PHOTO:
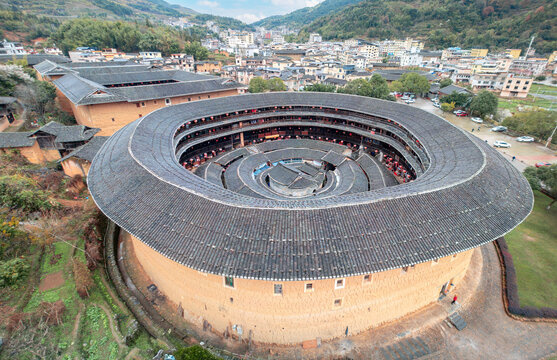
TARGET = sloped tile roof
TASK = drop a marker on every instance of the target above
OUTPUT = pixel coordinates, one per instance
(87, 151)
(13, 140)
(460, 202)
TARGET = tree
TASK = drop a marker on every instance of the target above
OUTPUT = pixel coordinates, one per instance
(414, 82)
(195, 352)
(397, 86)
(320, 88)
(276, 84)
(10, 77)
(198, 52)
(484, 103)
(459, 99)
(543, 178)
(37, 97)
(257, 85)
(360, 87)
(445, 82)
(375, 87)
(538, 123)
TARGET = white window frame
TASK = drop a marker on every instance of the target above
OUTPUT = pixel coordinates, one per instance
(341, 286)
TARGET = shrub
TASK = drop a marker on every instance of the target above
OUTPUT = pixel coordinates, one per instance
(540, 78)
(21, 192)
(195, 352)
(12, 271)
(447, 107)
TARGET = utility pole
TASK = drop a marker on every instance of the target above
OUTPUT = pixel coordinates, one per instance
(529, 47)
(551, 136)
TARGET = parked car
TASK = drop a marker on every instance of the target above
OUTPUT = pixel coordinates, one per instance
(542, 164)
(525, 139)
(410, 101)
(434, 99)
(405, 97)
(501, 144)
(499, 129)
(460, 113)
(436, 104)
(477, 120)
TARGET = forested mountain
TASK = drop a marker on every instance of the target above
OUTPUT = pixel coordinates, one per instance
(496, 24)
(114, 10)
(109, 9)
(298, 18)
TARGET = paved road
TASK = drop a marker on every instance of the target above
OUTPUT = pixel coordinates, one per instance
(527, 154)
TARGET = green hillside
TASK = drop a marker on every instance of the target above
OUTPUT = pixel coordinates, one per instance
(496, 24)
(109, 9)
(298, 18)
(130, 10)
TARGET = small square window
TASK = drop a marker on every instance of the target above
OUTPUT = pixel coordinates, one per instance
(339, 283)
(309, 287)
(208, 96)
(405, 269)
(338, 302)
(143, 103)
(137, 104)
(229, 281)
(189, 99)
(112, 119)
(155, 102)
(435, 261)
(167, 101)
(367, 279)
(199, 98)
(278, 289)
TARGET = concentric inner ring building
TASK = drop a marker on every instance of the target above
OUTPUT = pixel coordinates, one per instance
(294, 216)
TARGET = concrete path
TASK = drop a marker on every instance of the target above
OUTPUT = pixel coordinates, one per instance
(491, 334)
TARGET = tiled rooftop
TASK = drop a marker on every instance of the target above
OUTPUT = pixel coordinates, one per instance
(469, 195)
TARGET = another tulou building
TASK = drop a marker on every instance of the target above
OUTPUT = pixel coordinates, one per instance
(109, 95)
(296, 216)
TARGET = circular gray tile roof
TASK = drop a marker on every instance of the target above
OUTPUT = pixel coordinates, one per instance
(468, 195)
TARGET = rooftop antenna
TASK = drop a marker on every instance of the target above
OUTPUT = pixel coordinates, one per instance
(529, 46)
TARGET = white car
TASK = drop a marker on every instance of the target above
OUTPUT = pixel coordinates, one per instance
(437, 105)
(501, 144)
(525, 139)
(410, 101)
(477, 120)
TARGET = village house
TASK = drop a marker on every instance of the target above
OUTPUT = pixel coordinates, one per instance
(48, 143)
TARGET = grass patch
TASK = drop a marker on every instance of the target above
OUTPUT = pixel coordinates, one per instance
(66, 293)
(543, 89)
(533, 245)
(60, 256)
(524, 104)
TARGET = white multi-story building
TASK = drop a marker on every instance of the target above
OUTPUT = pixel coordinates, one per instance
(244, 38)
(411, 59)
(370, 51)
(315, 38)
(11, 48)
(277, 39)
